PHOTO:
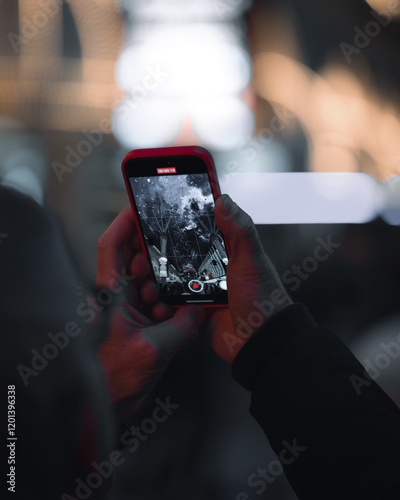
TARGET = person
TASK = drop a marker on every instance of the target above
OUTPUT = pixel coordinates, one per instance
(332, 441)
(336, 433)
(54, 395)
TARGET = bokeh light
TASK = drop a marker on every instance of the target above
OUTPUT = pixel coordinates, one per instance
(192, 57)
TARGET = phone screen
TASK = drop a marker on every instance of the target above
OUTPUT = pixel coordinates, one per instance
(174, 201)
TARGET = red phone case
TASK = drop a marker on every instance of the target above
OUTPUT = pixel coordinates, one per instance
(173, 151)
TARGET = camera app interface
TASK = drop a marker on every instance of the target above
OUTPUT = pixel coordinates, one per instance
(186, 248)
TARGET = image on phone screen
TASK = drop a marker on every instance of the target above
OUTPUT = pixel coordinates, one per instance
(186, 249)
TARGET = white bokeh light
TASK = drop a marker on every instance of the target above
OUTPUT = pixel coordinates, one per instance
(191, 61)
(223, 123)
(182, 10)
(184, 60)
(153, 122)
(307, 198)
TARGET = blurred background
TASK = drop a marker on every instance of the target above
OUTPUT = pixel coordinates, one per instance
(269, 87)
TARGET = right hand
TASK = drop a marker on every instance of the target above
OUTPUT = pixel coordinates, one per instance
(255, 291)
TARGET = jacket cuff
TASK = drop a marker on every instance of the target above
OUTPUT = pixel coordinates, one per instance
(267, 341)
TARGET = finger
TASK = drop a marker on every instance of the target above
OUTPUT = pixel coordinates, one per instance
(137, 272)
(248, 262)
(172, 336)
(150, 293)
(237, 226)
(161, 312)
(114, 247)
(139, 267)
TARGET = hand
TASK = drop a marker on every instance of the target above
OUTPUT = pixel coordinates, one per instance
(255, 291)
(139, 345)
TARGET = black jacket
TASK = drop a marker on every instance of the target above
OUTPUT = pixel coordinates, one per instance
(335, 430)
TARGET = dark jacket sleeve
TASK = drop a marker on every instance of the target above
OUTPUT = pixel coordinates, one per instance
(335, 431)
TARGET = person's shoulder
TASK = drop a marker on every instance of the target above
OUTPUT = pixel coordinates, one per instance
(15, 204)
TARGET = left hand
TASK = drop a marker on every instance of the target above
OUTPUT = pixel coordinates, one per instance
(141, 339)
(255, 290)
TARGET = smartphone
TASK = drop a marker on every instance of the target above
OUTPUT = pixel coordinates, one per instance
(173, 192)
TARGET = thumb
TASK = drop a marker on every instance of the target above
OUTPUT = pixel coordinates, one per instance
(171, 336)
(237, 226)
(248, 262)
